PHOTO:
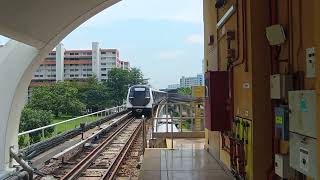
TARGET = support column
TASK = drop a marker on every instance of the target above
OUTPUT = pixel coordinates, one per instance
(17, 62)
(60, 62)
(96, 60)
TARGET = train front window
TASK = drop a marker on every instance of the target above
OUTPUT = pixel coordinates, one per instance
(139, 96)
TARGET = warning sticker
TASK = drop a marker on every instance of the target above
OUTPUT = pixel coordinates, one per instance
(304, 159)
(279, 120)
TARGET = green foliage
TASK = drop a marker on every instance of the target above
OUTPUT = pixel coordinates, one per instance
(93, 94)
(119, 81)
(136, 77)
(31, 119)
(60, 98)
(185, 91)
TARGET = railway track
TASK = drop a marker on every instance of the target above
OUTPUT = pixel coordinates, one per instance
(104, 160)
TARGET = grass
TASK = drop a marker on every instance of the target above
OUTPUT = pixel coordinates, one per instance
(61, 128)
(72, 124)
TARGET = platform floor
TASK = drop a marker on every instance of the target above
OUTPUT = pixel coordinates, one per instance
(188, 161)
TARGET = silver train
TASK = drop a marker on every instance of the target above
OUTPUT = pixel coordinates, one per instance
(141, 98)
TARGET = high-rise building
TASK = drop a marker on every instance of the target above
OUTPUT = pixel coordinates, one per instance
(64, 64)
(173, 86)
(191, 81)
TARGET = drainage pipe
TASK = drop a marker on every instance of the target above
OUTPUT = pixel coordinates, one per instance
(16, 156)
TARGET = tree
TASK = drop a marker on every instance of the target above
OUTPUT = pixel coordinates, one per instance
(185, 91)
(119, 81)
(135, 77)
(60, 98)
(93, 94)
(31, 119)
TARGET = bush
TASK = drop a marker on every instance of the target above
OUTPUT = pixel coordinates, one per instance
(31, 119)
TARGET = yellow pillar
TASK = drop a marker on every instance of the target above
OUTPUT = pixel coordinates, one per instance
(317, 43)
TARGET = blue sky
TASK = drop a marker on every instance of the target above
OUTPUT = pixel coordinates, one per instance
(164, 38)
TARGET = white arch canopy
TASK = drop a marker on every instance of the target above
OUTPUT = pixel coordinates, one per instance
(36, 27)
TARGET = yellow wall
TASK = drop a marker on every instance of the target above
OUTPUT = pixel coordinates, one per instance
(317, 43)
(253, 103)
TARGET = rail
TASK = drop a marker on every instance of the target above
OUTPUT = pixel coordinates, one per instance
(76, 171)
(66, 123)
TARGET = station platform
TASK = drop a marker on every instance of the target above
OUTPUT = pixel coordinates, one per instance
(188, 160)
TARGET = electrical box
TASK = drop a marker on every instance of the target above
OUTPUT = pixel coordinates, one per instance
(281, 165)
(282, 122)
(280, 84)
(275, 34)
(197, 91)
(216, 103)
(303, 154)
(302, 112)
(310, 62)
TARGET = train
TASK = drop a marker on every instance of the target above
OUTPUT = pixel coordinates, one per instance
(142, 98)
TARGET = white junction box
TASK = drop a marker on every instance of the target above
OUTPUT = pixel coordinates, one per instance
(281, 166)
(303, 154)
(310, 62)
(280, 84)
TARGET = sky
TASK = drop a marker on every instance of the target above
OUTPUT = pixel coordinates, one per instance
(164, 38)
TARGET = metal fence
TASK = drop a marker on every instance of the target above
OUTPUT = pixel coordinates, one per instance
(53, 130)
(178, 117)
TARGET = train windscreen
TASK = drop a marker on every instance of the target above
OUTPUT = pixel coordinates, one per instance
(139, 96)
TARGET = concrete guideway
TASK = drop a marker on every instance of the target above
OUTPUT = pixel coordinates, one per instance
(38, 26)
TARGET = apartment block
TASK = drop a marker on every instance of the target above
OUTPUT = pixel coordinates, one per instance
(65, 64)
(192, 81)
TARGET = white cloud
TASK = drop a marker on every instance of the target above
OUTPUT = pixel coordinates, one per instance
(170, 54)
(195, 39)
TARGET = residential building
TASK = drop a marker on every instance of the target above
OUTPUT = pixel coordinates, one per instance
(64, 64)
(173, 86)
(191, 81)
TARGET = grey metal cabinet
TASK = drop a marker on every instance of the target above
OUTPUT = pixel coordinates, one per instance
(302, 112)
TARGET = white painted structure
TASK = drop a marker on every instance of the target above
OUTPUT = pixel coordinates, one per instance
(38, 25)
(59, 62)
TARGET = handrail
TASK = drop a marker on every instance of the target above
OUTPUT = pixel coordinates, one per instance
(68, 120)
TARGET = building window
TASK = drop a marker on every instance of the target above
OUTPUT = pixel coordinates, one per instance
(84, 75)
(71, 69)
(103, 52)
(84, 69)
(89, 75)
(76, 70)
(103, 69)
(103, 64)
(104, 75)
(103, 58)
(77, 75)
(71, 75)
(89, 69)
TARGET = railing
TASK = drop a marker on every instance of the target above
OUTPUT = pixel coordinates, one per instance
(67, 125)
(178, 120)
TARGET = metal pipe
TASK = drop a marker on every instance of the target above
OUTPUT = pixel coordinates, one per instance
(21, 162)
(19, 175)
